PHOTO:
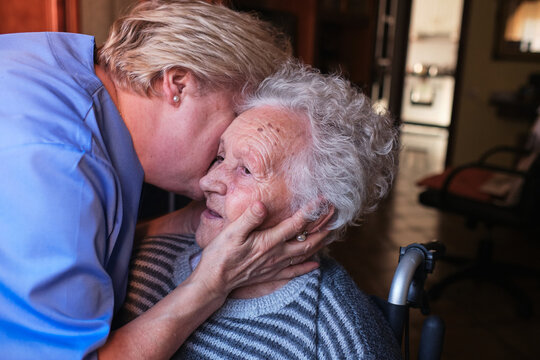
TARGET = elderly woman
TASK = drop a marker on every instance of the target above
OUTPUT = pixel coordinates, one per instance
(305, 140)
(80, 130)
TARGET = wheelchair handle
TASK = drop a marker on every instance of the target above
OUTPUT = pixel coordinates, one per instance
(403, 276)
(413, 258)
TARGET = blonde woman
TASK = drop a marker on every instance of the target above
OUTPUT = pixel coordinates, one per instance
(78, 135)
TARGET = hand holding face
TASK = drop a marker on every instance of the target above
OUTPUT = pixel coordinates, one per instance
(239, 257)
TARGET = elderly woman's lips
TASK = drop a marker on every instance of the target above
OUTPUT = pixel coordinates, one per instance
(211, 214)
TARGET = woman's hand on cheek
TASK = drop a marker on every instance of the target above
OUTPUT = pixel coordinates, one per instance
(239, 256)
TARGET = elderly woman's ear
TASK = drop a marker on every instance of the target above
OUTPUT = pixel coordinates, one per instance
(174, 85)
(322, 221)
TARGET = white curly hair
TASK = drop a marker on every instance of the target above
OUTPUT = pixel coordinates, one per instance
(352, 157)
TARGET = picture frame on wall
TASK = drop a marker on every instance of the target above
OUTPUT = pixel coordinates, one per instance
(517, 30)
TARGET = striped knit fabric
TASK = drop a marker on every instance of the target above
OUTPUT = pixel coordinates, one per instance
(151, 273)
(321, 315)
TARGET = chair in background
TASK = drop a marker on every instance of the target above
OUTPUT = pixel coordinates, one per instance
(507, 196)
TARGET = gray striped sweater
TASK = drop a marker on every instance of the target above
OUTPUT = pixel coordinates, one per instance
(320, 315)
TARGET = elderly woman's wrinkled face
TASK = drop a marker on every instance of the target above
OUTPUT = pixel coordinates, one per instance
(251, 165)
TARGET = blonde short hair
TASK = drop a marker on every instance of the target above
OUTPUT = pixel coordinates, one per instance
(222, 48)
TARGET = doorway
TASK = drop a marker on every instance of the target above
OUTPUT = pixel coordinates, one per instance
(429, 82)
(417, 62)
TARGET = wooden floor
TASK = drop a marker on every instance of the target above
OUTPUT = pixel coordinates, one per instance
(481, 320)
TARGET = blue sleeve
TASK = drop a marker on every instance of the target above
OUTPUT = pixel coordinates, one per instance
(57, 206)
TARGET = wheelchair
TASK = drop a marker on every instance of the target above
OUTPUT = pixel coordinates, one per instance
(407, 291)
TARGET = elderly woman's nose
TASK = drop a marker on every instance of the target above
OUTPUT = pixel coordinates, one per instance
(213, 182)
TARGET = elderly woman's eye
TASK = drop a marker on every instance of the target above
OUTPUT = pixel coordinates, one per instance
(245, 170)
(218, 159)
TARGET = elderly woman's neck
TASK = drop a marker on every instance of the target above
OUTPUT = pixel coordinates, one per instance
(255, 291)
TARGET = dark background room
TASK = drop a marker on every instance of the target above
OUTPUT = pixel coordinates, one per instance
(463, 77)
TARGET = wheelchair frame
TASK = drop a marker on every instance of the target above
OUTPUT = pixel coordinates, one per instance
(407, 291)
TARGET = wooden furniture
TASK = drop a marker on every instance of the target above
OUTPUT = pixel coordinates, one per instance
(331, 35)
(38, 15)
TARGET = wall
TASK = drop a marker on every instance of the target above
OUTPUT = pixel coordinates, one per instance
(96, 16)
(477, 127)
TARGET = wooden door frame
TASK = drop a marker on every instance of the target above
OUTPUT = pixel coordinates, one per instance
(62, 15)
(458, 75)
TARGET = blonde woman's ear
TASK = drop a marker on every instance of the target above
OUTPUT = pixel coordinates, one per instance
(174, 84)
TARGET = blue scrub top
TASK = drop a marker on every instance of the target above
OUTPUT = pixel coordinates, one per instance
(70, 184)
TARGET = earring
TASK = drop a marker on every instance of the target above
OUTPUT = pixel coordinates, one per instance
(176, 98)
